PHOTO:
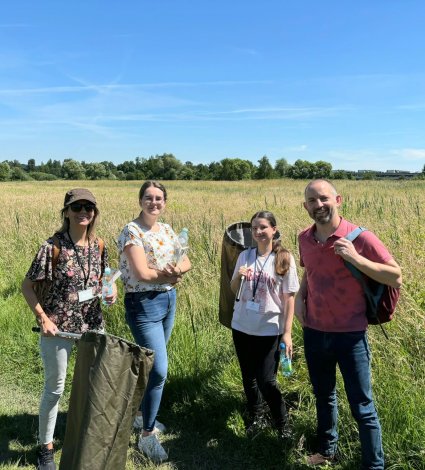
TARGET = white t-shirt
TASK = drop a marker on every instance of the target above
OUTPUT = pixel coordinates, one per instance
(268, 320)
(159, 250)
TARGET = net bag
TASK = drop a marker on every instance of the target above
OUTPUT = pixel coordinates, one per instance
(237, 237)
(110, 377)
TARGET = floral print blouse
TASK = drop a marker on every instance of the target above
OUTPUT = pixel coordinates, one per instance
(159, 249)
(61, 304)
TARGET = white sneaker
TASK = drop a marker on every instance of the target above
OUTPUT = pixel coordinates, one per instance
(138, 424)
(152, 448)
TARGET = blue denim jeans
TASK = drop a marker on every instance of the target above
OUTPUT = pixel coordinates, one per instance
(323, 351)
(150, 316)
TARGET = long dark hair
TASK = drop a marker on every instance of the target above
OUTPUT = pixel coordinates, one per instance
(155, 184)
(282, 255)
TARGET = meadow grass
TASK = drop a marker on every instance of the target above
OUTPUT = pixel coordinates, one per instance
(203, 400)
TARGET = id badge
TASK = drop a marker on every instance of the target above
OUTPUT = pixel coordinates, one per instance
(253, 306)
(84, 295)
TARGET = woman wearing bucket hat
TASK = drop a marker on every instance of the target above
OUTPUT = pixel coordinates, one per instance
(262, 319)
(149, 273)
(62, 288)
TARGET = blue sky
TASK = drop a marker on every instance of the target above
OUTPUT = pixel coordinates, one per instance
(339, 81)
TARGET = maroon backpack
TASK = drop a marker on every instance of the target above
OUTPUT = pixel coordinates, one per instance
(381, 300)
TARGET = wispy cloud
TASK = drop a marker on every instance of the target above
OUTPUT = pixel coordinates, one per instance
(297, 148)
(245, 51)
(410, 154)
(115, 86)
(276, 112)
(412, 107)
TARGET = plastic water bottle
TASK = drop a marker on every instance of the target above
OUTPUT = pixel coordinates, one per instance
(285, 361)
(106, 284)
(181, 246)
(183, 238)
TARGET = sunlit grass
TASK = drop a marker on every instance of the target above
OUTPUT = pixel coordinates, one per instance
(203, 400)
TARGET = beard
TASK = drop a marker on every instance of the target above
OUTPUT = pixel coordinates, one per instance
(322, 216)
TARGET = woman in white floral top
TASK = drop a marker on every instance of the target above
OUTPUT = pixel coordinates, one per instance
(149, 272)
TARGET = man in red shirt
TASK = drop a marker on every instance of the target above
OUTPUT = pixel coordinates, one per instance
(332, 310)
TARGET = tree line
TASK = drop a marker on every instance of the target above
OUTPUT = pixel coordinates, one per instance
(168, 167)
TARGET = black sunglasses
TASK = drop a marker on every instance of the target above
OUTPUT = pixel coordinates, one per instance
(77, 206)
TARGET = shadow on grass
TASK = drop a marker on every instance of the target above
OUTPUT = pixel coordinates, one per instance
(18, 438)
(207, 431)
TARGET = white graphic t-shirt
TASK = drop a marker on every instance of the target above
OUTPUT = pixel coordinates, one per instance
(266, 319)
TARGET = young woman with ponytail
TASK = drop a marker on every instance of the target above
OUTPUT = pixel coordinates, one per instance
(262, 319)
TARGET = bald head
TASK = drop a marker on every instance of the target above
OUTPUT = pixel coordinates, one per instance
(320, 182)
(322, 202)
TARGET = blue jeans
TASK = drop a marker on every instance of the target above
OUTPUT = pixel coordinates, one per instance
(150, 316)
(323, 351)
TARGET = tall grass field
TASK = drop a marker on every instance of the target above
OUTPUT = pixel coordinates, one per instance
(203, 402)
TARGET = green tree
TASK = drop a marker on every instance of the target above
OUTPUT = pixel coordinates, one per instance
(73, 170)
(368, 175)
(95, 171)
(119, 175)
(233, 169)
(40, 176)
(322, 169)
(265, 170)
(31, 164)
(171, 166)
(301, 169)
(281, 167)
(127, 167)
(18, 174)
(215, 169)
(4, 171)
(53, 167)
(202, 172)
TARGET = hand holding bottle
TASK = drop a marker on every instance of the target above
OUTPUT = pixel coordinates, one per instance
(109, 289)
(285, 361)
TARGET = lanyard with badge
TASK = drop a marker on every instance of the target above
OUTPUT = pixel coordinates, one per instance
(252, 305)
(86, 294)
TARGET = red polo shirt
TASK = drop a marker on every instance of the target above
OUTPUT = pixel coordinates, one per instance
(335, 299)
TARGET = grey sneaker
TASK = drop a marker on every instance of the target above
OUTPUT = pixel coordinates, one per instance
(151, 447)
(138, 424)
(45, 459)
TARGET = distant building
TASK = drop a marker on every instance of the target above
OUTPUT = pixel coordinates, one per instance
(388, 174)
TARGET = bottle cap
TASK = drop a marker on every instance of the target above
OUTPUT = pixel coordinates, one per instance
(107, 271)
(282, 346)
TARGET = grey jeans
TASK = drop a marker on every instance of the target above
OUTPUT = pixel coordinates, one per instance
(55, 354)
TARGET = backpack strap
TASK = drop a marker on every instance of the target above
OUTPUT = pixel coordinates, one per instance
(354, 271)
(101, 246)
(355, 233)
(361, 277)
(55, 252)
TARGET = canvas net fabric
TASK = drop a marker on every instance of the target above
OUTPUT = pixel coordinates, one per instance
(110, 377)
(237, 237)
